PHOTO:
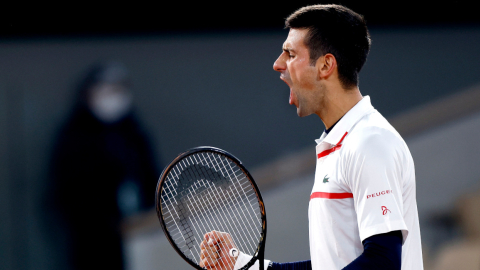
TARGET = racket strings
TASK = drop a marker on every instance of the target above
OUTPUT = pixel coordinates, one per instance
(247, 218)
(206, 192)
(210, 222)
(238, 202)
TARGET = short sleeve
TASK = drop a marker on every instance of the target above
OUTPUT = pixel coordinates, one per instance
(373, 170)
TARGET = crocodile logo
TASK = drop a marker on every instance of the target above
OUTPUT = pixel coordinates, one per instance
(325, 179)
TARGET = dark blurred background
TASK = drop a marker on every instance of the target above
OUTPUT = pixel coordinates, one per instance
(201, 74)
(142, 18)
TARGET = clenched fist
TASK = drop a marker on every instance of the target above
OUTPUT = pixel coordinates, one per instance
(215, 251)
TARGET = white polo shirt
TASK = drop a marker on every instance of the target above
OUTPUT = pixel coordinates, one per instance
(364, 185)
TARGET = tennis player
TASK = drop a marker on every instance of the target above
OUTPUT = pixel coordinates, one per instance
(362, 212)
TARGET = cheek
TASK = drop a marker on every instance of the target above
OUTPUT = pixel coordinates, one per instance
(296, 72)
(300, 66)
(303, 75)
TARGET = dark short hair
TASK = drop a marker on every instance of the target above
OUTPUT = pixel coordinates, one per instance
(337, 30)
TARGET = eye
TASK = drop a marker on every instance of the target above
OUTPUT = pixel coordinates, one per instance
(290, 54)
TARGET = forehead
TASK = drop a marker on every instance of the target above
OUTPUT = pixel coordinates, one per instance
(295, 39)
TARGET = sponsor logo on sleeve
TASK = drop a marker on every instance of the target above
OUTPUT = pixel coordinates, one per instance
(385, 192)
(385, 210)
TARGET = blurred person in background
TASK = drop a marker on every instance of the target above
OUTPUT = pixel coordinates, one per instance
(103, 169)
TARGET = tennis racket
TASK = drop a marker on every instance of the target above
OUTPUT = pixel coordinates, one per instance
(207, 189)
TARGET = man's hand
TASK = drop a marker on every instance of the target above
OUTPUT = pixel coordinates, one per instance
(215, 249)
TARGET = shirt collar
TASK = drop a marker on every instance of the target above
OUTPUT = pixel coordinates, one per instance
(362, 108)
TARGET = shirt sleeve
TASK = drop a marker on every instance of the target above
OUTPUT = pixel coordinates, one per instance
(373, 170)
(381, 251)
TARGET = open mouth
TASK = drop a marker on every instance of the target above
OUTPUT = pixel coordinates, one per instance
(291, 99)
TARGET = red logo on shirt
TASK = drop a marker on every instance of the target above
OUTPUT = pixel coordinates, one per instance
(379, 194)
(384, 210)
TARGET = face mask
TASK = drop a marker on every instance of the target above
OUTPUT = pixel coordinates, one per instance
(110, 103)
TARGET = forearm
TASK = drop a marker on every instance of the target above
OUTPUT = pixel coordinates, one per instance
(383, 251)
(302, 265)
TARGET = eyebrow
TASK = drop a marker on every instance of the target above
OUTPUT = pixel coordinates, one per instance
(286, 49)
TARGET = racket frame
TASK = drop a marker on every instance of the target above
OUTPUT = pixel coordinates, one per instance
(260, 252)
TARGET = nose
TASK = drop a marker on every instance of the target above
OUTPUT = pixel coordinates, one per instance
(279, 64)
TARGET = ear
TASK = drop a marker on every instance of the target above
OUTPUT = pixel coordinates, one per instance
(326, 66)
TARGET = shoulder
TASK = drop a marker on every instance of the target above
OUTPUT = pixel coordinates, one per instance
(374, 135)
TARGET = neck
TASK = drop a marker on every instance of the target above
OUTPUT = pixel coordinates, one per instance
(337, 102)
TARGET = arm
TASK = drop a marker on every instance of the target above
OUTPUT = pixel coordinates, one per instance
(302, 265)
(381, 251)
